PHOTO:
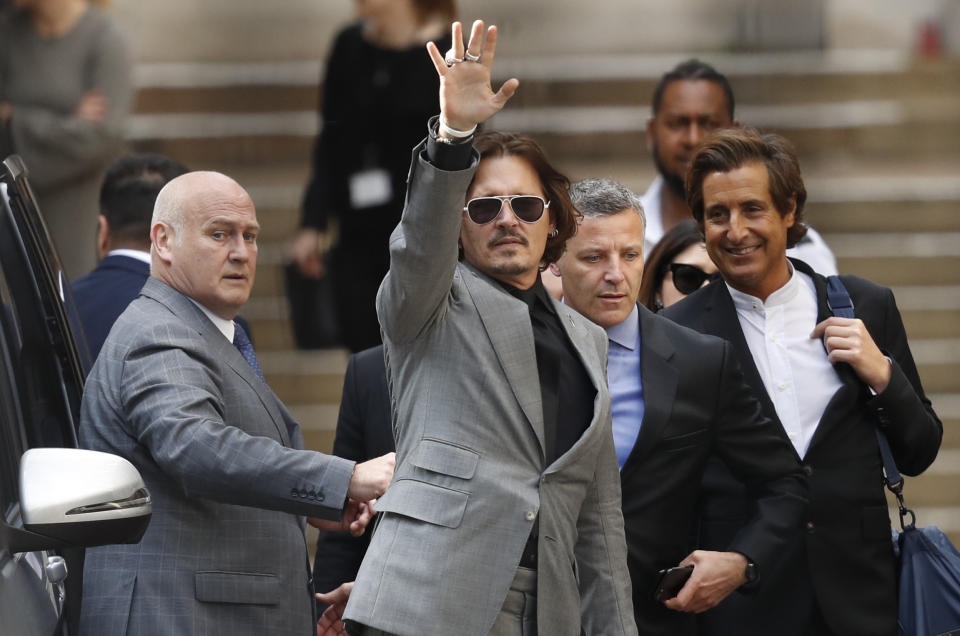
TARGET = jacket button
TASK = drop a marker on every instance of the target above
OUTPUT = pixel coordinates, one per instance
(811, 527)
(529, 515)
(807, 470)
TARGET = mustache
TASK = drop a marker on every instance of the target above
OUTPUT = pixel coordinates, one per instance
(505, 233)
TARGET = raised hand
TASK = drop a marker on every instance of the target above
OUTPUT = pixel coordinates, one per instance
(466, 96)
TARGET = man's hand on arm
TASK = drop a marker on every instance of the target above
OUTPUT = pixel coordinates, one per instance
(847, 340)
(331, 621)
(371, 478)
(466, 96)
(715, 576)
(356, 517)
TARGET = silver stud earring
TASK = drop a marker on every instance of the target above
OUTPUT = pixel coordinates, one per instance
(554, 234)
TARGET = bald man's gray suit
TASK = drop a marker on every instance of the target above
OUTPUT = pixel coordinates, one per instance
(471, 475)
(225, 550)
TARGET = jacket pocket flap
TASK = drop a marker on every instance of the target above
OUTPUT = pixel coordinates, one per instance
(427, 502)
(447, 459)
(684, 440)
(237, 587)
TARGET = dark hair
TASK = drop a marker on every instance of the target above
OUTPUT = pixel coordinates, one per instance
(446, 9)
(679, 238)
(732, 148)
(692, 70)
(556, 186)
(129, 191)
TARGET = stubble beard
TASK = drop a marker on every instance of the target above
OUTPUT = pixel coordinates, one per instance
(674, 182)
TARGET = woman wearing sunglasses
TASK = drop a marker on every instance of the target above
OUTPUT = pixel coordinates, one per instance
(677, 266)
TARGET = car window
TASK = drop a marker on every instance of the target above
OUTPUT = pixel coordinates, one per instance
(47, 376)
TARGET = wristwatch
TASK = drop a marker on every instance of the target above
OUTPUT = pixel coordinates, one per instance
(750, 572)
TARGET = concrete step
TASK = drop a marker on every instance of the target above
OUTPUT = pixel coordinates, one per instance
(910, 270)
(598, 133)
(587, 105)
(310, 384)
(621, 79)
(892, 215)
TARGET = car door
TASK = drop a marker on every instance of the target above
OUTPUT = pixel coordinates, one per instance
(41, 383)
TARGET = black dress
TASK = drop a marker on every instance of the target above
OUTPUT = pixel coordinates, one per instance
(375, 106)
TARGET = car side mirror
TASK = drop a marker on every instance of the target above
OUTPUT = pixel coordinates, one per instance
(79, 498)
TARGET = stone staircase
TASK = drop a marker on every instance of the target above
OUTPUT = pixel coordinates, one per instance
(877, 134)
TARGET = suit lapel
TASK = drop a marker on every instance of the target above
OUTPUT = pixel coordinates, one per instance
(584, 346)
(659, 379)
(229, 354)
(507, 323)
(220, 347)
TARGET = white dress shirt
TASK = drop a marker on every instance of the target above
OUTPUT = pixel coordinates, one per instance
(140, 255)
(224, 326)
(795, 371)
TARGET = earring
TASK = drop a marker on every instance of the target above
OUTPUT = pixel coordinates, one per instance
(554, 234)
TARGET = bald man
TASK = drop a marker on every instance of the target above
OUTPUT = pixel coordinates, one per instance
(177, 391)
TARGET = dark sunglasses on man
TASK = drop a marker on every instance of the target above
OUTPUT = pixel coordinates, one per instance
(689, 278)
(526, 207)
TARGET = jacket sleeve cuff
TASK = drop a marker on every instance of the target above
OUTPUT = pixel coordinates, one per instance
(450, 157)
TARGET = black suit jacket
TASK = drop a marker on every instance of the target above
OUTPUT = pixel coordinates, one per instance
(103, 294)
(841, 558)
(697, 405)
(363, 432)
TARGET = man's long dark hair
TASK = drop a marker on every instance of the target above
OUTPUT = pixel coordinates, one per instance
(555, 185)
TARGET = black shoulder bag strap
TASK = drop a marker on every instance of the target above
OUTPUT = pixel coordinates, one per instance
(842, 305)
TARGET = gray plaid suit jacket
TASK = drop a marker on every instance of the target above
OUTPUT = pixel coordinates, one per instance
(225, 550)
(471, 474)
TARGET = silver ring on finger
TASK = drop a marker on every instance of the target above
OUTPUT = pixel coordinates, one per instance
(451, 59)
(470, 57)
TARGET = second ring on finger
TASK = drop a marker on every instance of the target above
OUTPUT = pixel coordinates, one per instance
(451, 58)
(470, 57)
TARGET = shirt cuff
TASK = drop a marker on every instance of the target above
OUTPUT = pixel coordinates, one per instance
(450, 157)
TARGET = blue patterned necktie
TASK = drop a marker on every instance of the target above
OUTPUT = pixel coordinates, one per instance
(242, 342)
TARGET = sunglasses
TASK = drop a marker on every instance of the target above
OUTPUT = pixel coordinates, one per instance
(526, 207)
(689, 278)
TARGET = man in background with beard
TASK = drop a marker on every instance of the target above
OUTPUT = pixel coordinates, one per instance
(690, 102)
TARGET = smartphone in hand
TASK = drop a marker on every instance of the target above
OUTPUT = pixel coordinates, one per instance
(670, 581)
